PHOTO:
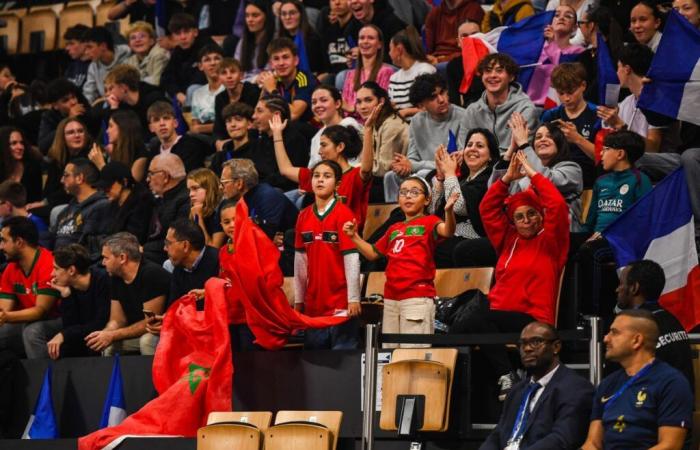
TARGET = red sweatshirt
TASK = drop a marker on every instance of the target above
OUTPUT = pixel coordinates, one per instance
(441, 27)
(528, 270)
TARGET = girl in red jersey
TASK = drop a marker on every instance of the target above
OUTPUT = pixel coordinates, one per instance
(409, 247)
(338, 144)
(326, 264)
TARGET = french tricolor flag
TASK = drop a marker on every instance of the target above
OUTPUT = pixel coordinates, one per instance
(674, 90)
(114, 411)
(660, 227)
(523, 41)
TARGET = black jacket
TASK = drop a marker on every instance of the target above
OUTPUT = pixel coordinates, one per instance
(182, 70)
(134, 215)
(174, 204)
(83, 223)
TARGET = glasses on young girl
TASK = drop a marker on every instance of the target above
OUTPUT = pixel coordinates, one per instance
(410, 193)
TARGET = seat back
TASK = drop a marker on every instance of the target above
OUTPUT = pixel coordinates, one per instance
(419, 371)
(71, 15)
(259, 419)
(9, 35)
(329, 419)
(39, 31)
(586, 197)
(452, 282)
(375, 284)
(102, 18)
(298, 436)
(220, 436)
(377, 214)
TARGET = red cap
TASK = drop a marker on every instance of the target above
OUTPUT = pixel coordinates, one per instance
(527, 197)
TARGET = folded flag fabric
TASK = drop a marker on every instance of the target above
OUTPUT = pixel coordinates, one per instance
(608, 83)
(181, 123)
(664, 232)
(42, 423)
(674, 90)
(192, 373)
(161, 23)
(304, 65)
(114, 411)
(256, 282)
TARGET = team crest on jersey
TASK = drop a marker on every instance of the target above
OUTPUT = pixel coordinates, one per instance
(330, 236)
(641, 398)
(416, 230)
(395, 234)
(307, 237)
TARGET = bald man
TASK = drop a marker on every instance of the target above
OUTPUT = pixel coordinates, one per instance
(647, 403)
(551, 407)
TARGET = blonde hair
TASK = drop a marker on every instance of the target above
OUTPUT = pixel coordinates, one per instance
(58, 152)
(210, 183)
(141, 26)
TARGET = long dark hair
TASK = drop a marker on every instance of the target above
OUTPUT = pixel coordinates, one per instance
(491, 141)
(388, 109)
(378, 60)
(130, 137)
(304, 26)
(348, 136)
(410, 40)
(559, 142)
(608, 27)
(7, 162)
(248, 42)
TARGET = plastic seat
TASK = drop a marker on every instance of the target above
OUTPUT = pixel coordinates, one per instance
(101, 18)
(39, 31)
(304, 430)
(419, 372)
(377, 214)
(74, 14)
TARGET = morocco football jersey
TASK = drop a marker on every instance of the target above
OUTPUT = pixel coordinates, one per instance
(321, 237)
(352, 191)
(24, 287)
(410, 249)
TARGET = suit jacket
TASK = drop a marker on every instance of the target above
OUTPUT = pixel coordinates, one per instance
(560, 418)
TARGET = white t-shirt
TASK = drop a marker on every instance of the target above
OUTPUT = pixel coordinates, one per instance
(203, 103)
(633, 117)
(402, 80)
(314, 157)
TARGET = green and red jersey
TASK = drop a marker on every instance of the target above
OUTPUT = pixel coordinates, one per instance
(24, 287)
(409, 248)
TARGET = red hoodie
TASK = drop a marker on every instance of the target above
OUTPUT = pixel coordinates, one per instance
(441, 27)
(528, 270)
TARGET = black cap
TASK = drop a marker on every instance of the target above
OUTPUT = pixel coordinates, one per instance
(111, 172)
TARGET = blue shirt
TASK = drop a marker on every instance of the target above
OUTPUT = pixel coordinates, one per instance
(660, 397)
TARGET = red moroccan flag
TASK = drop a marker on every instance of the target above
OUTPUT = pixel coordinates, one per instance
(192, 373)
(256, 279)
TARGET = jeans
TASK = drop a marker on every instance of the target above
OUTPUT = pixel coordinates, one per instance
(345, 336)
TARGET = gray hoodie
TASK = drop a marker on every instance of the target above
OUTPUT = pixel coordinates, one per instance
(426, 134)
(479, 115)
(94, 86)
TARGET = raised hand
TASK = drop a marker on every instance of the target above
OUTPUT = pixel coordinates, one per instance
(451, 200)
(350, 228)
(525, 165)
(277, 125)
(372, 119)
(518, 129)
(513, 172)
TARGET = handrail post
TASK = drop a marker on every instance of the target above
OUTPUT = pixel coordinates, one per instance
(370, 387)
(595, 354)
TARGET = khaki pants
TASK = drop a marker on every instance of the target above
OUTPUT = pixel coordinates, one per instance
(145, 345)
(410, 316)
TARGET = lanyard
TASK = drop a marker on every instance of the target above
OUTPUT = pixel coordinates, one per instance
(613, 398)
(519, 425)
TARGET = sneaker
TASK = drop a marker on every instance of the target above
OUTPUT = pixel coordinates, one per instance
(506, 383)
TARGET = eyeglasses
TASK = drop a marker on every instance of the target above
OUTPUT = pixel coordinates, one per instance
(535, 342)
(167, 243)
(530, 215)
(151, 173)
(583, 22)
(410, 193)
(224, 181)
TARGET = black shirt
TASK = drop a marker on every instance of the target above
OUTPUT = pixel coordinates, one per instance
(192, 151)
(151, 281)
(181, 71)
(334, 41)
(183, 281)
(134, 215)
(249, 95)
(84, 312)
(271, 209)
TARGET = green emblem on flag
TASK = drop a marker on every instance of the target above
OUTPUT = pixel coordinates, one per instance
(418, 230)
(196, 375)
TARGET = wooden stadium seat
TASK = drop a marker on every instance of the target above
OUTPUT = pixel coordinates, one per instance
(240, 436)
(74, 14)
(41, 24)
(9, 35)
(377, 214)
(375, 284)
(304, 430)
(288, 288)
(452, 282)
(259, 419)
(101, 18)
(586, 197)
(419, 371)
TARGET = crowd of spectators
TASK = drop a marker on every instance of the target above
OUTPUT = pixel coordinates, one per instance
(116, 197)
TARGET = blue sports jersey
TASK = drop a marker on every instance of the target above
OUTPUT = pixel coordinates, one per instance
(658, 397)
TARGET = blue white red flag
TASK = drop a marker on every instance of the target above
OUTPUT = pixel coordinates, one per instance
(114, 411)
(608, 83)
(42, 422)
(674, 90)
(660, 227)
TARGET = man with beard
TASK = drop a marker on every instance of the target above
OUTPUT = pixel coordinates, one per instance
(26, 296)
(548, 409)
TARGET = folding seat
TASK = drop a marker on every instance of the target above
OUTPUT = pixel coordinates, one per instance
(304, 430)
(239, 430)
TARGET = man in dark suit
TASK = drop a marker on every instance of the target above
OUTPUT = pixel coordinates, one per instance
(550, 408)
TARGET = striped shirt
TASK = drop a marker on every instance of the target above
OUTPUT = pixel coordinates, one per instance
(400, 83)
